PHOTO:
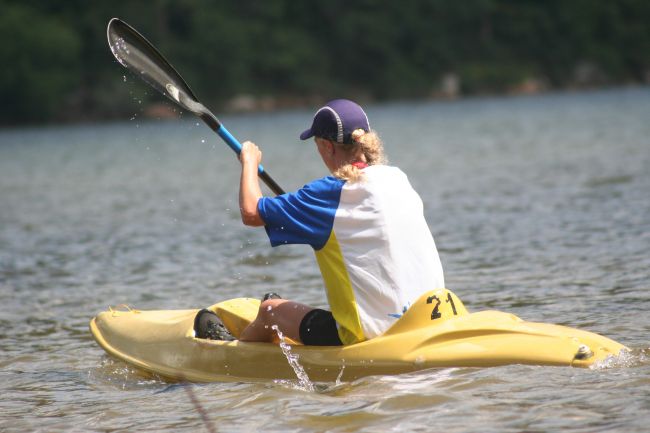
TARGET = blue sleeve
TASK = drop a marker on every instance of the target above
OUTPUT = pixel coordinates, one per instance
(303, 217)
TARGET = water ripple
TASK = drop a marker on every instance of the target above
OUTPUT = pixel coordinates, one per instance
(539, 207)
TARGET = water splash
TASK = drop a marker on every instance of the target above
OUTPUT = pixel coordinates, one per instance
(123, 376)
(303, 380)
(625, 359)
(338, 378)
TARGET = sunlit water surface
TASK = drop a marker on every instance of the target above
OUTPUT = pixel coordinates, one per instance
(540, 206)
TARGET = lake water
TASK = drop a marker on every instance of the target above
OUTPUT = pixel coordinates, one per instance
(540, 206)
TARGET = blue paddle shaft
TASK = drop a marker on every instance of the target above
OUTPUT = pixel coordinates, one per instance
(212, 121)
(233, 143)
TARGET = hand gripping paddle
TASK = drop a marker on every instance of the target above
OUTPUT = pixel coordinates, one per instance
(137, 54)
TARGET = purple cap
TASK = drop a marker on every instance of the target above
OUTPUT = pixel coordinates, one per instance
(336, 121)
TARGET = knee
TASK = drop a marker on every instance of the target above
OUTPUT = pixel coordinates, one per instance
(267, 309)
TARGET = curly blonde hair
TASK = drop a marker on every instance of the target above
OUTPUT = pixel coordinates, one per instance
(367, 143)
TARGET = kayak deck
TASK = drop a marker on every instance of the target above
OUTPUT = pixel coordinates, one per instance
(437, 331)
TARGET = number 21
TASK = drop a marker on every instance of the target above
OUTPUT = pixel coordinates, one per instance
(435, 314)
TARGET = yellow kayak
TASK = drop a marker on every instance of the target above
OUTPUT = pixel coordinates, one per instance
(437, 331)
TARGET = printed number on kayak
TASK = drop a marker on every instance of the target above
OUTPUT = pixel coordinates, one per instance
(436, 314)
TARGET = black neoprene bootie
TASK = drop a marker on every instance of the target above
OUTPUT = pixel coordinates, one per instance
(209, 326)
(271, 295)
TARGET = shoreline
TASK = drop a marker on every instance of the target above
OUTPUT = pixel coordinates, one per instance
(248, 104)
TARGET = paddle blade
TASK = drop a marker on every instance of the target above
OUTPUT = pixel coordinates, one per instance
(139, 56)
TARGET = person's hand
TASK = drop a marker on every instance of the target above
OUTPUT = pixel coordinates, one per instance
(250, 154)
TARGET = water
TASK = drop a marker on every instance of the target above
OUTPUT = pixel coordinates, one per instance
(294, 361)
(539, 207)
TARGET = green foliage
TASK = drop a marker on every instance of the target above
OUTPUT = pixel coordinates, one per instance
(57, 65)
(41, 64)
(492, 77)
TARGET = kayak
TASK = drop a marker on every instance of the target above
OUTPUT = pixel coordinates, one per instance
(436, 331)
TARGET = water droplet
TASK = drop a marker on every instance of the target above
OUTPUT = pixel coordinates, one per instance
(203, 140)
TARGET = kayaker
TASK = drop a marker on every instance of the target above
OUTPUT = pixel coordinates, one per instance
(366, 224)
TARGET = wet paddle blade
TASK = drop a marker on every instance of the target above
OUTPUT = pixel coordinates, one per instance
(138, 55)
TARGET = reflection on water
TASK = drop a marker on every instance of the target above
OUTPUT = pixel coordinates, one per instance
(539, 207)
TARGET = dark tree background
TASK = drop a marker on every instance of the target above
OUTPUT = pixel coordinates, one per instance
(56, 65)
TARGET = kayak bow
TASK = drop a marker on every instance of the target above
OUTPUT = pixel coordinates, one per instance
(437, 331)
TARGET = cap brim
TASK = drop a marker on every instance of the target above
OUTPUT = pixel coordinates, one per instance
(307, 134)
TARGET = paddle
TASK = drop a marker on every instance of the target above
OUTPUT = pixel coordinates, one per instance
(136, 54)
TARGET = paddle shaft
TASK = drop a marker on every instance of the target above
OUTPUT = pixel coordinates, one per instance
(214, 124)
